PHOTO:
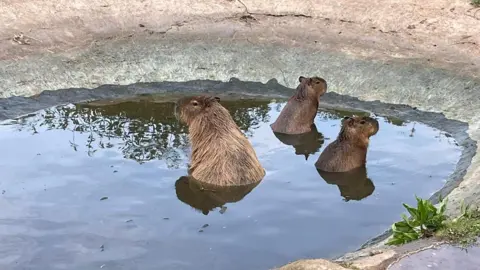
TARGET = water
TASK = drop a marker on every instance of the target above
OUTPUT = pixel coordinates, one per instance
(100, 187)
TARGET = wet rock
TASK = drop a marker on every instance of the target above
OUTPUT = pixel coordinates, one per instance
(316, 264)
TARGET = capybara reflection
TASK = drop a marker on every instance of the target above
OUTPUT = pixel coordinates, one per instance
(221, 153)
(349, 150)
(206, 197)
(305, 144)
(353, 185)
(298, 115)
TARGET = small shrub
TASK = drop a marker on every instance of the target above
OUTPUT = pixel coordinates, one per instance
(423, 222)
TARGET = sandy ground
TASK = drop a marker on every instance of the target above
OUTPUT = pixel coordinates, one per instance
(445, 33)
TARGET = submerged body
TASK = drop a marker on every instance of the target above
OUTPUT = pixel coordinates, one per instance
(349, 150)
(304, 144)
(298, 115)
(353, 185)
(206, 197)
(221, 154)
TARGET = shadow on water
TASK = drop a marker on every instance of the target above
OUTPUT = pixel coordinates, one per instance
(206, 197)
(353, 185)
(305, 144)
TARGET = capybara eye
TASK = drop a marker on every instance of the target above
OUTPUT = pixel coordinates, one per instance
(194, 103)
(317, 82)
(362, 122)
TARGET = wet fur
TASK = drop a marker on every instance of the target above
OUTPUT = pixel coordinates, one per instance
(349, 150)
(298, 115)
(221, 154)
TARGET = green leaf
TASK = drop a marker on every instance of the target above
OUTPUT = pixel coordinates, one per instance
(424, 220)
(395, 241)
(413, 212)
(443, 207)
(401, 226)
(411, 236)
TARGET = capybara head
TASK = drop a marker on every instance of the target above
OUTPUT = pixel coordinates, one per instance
(315, 86)
(189, 108)
(359, 127)
(221, 153)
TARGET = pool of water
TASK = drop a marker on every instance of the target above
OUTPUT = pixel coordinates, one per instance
(101, 186)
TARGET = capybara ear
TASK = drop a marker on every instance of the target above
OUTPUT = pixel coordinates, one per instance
(301, 78)
(217, 99)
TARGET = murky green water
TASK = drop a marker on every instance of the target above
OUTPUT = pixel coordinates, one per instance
(101, 188)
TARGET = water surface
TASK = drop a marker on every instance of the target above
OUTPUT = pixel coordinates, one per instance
(101, 186)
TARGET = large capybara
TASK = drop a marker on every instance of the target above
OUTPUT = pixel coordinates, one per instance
(298, 115)
(349, 150)
(221, 153)
(206, 197)
(305, 144)
(353, 185)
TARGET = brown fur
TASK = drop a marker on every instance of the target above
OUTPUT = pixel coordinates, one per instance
(206, 197)
(349, 150)
(353, 185)
(221, 154)
(298, 115)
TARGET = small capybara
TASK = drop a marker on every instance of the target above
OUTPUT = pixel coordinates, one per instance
(305, 144)
(353, 185)
(298, 115)
(221, 153)
(206, 197)
(349, 150)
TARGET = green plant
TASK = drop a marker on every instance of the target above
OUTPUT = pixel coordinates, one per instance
(463, 230)
(476, 3)
(423, 222)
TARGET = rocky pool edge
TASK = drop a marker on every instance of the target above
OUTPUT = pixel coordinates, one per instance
(449, 100)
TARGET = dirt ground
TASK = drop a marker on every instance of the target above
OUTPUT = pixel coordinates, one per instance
(441, 32)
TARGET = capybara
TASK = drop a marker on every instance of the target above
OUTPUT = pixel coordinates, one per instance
(349, 150)
(353, 185)
(298, 115)
(206, 197)
(305, 144)
(221, 153)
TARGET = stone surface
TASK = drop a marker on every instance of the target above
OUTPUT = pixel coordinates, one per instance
(316, 264)
(442, 258)
(375, 261)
